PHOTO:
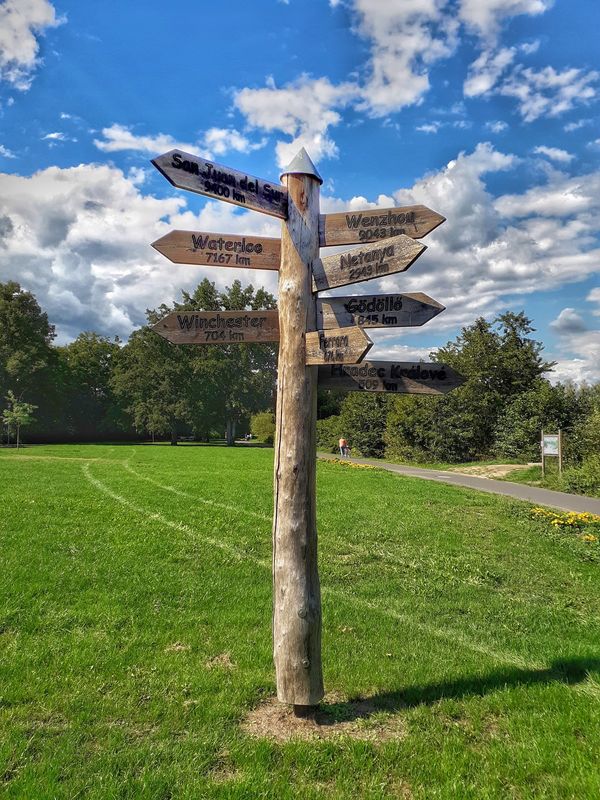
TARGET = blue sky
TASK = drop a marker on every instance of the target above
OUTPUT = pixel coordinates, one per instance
(484, 110)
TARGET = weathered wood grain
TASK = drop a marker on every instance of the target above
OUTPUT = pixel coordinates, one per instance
(296, 591)
(356, 227)
(196, 174)
(340, 346)
(219, 327)
(398, 377)
(220, 249)
(364, 263)
(377, 311)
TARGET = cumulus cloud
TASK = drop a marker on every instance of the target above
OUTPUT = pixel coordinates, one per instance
(496, 126)
(569, 321)
(485, 71)
(22, 22)
(79, 238)
(304, 110)
(4, 151)
(215, 141)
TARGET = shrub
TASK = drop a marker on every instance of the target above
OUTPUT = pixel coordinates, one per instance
(584, 479)
(263, 426)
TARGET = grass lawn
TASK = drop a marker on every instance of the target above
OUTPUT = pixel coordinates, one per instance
(135, 614)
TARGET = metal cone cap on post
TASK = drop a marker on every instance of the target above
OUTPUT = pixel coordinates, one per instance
(302, 164)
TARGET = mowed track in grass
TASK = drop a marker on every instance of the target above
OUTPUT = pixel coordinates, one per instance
(135, 614)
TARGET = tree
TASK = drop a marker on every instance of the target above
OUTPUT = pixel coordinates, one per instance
(153, 379)
(92, 408)
(25, 339)
(362, 422)
(499, 362)
(17, 415)
(262, 426)
(234, 381)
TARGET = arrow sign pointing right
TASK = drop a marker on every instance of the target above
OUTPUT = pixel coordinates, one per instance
(340, 346)
(363, 263)
(359, 227)
(377, 311)
(391, 376)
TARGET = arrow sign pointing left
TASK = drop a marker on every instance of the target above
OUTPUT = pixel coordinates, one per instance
(219, 327)
(339, 346)
(196, 174)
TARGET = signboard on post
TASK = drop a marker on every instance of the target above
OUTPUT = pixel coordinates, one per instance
(398, 377)
(338, 346)
(377, 311)
(551, 446)
(359, 227)
(199, 175)
(219, 327)
(220, 249)
(365, 263)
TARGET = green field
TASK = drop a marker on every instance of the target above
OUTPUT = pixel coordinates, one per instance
(135, 612)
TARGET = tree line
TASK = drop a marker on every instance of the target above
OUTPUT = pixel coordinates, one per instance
(97, 388)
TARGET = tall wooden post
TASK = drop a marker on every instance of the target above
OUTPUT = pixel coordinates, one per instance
(296, 590)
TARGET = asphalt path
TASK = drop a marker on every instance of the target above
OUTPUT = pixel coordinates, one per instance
(520, 491)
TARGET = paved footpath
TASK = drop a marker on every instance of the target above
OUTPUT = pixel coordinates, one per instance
(520, 491)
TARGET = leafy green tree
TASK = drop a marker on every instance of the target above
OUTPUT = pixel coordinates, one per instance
(153, 379)
(499, 361)
(25, 339)
(17, 415)
(92, 409)
(362, 422)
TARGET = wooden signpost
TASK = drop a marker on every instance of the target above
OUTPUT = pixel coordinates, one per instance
(399, 377)
(219, 327)
(358, 227)
(364, 263)
(337, 346)
(377, 310)
(220, 249)
(199, 175)
(320, 342)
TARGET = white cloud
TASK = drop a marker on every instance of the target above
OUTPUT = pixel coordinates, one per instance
(407, 37)
(216, 141)
(303, 110)
(554, 153)
(4, 151)
(486, 16)
(496, 126)
(21, 23)
(55, 136)
(569, 321)
(485, 71)
(548, 92)
(562, 196)
(429, 127)
(575, 126)
(79, 238)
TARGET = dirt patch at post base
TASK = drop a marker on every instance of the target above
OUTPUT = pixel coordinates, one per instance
(335, 716)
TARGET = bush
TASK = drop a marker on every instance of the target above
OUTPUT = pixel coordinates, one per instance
(263, 426)
(584, 479)
(328, 434)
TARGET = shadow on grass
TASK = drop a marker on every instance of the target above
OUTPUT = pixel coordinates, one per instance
(565, 671)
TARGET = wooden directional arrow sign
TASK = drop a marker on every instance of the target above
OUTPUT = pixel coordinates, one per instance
(377, 311)
(219, 327)
(364, 263)
(196, 174)
(342, 346)
(356, 227)
(390, 376)
(220, 249)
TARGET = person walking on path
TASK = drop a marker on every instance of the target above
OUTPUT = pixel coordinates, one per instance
(343, 447)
